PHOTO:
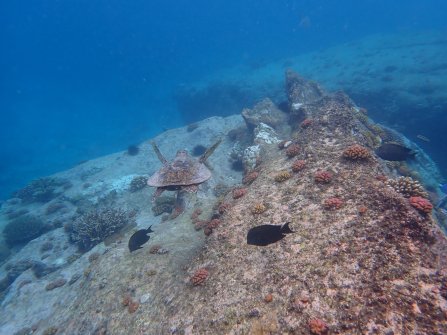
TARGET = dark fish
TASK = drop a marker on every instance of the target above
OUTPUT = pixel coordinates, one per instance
(394, 152)
(139, 238)
(267, 234)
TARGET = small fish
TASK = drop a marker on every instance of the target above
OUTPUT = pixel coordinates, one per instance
(139, 238)
(267, 234)
(423, 138)
(394, 152)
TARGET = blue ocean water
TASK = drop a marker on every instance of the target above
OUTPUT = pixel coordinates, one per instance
(82, 79)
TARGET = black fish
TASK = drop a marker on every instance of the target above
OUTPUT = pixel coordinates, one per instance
(394, 152)
(267, 234)
(139, 238)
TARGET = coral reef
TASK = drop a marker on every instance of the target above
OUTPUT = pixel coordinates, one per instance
(199, 277)
(282, 176)
(298, 165)
(138, 183)
(292, 150)
(239, 192)
(23, 229)
(421, 204)
(93, 227)
(42, 190)
(407, 186)
(333, 203)
(356, 152)
(323, 177)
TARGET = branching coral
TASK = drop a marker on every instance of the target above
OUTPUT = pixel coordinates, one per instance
(333, 203)
(323, 177)
(199, 276)
(239, 192)
(407, 186)
(23, 229)
(356, 152)
(93, 227)
(298, 165)
(250, 177)
(292, 150)
(282, 176)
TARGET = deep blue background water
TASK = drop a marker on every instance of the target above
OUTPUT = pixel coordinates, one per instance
(82, 78)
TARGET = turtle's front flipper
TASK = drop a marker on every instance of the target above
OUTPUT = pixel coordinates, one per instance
(158, 153)
(209, 151)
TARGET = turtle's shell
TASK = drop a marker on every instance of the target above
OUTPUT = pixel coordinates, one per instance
(183, 170)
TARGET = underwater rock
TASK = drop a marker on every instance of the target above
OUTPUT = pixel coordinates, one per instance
(264, 112)
(41, 269)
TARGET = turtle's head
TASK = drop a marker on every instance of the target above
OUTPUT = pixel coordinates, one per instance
(182, 154)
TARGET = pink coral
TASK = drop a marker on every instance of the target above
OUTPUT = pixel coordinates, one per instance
(199, 276)
(306, 123)
(292, 150)
(421, 204)
(298, 165)
(239, 192)
(250, 177)
(323, 177)
(333, 203)
(318, 327)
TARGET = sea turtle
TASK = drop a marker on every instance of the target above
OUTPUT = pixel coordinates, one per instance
(184, 173)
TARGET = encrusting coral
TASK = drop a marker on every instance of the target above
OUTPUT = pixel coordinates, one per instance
(407, 186)
(421, 204)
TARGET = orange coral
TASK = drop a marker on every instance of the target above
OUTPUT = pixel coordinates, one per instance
(421, 204)
(323, 177)
(318, 327)
(199, 276)
(223, 207)
(333, 203)
(292, 150)
(239, 192)
(356, 152)
(298, 165)
(282, 176)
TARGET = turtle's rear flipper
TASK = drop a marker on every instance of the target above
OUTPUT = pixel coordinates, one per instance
(158, 153)
(209, 151)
